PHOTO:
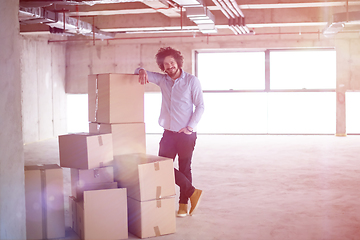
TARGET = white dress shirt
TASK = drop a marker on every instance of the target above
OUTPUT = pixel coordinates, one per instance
(182, 100)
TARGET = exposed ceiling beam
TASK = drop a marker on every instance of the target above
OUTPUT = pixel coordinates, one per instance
(297, 4)
(264, 17)
(157, 15)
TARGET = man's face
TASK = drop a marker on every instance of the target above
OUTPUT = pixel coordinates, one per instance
(170, 66)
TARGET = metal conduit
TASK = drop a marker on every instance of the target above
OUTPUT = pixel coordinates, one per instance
(185, 36)
(236, 17)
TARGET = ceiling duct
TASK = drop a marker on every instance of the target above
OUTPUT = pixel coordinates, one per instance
(59, 20)
(187, 3)
(202, 17)
(36, 15)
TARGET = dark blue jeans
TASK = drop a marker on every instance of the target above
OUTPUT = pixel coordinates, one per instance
(181, 144)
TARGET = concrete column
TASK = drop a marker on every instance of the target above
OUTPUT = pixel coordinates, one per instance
(12, 192)
(342, 83)
(340, 113)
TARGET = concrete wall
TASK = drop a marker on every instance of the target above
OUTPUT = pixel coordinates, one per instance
(124, 55)
(43, 88)
(12, 192)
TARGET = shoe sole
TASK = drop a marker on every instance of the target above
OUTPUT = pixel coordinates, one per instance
(181, 215)
(197, 204)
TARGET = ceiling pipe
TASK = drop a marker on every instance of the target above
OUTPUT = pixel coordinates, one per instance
(221, 9)
(236, 17)
(184, 36)
(231, 8)
(241, 19)
(225, 7)
(231, 25)
(233, 2)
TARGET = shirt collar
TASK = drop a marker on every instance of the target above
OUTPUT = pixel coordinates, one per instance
(182, 75)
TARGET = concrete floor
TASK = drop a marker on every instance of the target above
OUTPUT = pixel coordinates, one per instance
(262, 187)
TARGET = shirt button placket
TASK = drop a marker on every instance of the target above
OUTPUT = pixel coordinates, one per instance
(171, 108)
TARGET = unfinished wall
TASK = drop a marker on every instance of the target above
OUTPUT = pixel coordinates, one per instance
(12, 192)
(43, 88)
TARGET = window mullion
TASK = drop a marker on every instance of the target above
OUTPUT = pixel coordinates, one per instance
(267, 71)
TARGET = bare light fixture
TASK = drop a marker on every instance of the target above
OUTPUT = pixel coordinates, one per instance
(342, 20)
(333, 29)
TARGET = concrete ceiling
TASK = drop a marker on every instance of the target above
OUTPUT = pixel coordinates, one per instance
(114, 18)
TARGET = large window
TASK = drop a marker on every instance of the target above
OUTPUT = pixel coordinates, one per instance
(234, 113)
(77, 113)
(231, 70)
(271, 91)
(352, 112)
(303, 69)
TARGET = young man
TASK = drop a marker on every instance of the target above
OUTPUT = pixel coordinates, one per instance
(181, 91)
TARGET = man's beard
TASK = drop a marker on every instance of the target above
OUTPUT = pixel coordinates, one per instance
(171, 73)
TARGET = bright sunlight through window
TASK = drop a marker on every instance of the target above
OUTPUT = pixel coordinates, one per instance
(303, 69)
(77, 113)
(231, 70)
(245, 112)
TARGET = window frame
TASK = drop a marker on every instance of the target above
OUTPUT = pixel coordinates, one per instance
(267, 68)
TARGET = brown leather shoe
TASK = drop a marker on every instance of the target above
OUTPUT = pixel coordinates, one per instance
(195, 200)
(183, 210)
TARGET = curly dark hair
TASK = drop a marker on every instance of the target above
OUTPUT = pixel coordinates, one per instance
(168, 51)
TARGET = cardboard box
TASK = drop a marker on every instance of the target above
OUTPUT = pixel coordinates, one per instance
(146, 177)
(127, 137)
(103, 215)
(85, 151)
(81, 178)
(152, 218)
(94, 186)
(44, 202)
(79, 205)
(73, 214)
(115, 98)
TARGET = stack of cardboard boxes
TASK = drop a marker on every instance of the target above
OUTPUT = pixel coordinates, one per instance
(116, 106)
(44, 202)
(98, 207)
(150, 185)
(116, 186)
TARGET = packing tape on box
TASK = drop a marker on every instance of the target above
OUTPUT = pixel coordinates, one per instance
(158, 203)
(157, 231)
(100, 141)
(157, 166)
(158, 192)
(43, 203)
